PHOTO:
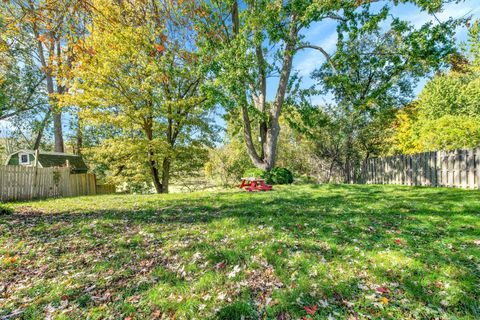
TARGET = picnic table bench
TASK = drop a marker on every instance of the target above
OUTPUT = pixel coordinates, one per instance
(253, 184)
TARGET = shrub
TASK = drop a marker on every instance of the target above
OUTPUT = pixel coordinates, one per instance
(280, 176)
(227, 164)
(255, 173)
(275, 176)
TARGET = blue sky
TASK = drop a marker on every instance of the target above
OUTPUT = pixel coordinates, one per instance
(324, 34)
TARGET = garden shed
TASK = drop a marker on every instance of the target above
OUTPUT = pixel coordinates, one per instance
(47, 159)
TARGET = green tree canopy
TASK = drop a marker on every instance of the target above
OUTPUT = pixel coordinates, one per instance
(145, 82)
(257, 41)
(447, 113)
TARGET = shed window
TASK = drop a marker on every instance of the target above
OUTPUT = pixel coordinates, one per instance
(24, 158)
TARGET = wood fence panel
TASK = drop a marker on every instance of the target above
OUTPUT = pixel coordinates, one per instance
(477, 167)
(470, 165)
(444, 169)
(463, 172)
(457, 168)
(413, 172)
(450, 169)
(27, 183)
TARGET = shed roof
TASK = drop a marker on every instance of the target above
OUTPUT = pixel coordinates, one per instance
(57, 159)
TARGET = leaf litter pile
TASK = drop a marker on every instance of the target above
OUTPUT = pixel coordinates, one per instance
(307, 252)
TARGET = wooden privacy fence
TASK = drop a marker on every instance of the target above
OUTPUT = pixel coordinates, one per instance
(26, 183)
(457, 168)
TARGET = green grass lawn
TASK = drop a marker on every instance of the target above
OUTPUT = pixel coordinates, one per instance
(337, 251)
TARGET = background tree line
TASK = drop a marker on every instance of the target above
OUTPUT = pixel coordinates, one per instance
(141, 85)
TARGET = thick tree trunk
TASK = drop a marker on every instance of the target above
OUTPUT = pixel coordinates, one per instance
(58, 132)
(269, 131)
(57, 115)
(247, 133)
(160, 182)
(274, 130)
(155, 176)
(79, 140)
(271, 145)
(165, 174)
(39, 137)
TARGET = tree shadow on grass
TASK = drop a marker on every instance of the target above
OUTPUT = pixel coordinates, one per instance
(339, 238)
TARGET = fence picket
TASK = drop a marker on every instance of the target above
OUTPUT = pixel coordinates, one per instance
(477, 168)
(457, 168)
(26, 183)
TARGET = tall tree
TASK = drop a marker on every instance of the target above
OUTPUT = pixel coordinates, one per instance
(21, 82)
(257, 40)
(47, 29)
(373, 73)
(447, 112)
(147, 83)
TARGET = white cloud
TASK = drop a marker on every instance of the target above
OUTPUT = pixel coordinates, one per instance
(5, 128)
(310, 59)
(452, 10)
(308, 64)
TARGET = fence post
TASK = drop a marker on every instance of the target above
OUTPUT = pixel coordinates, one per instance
(457, 168)
(35, 177)
(448, 172)
(1, 183)
(444, 168)
(477, 166)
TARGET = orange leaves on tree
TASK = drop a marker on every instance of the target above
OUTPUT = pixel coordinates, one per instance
(160, 48)
(42, 38)
(163, 37)
(90, 51)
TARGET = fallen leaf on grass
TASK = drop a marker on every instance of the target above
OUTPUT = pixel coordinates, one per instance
(362, 287)
(347, 303)
(282, 316)
(236, 269)
(323, 303)
(7, 259)
(382, 290)
(311, 310)
(384, 300)
(134, 299)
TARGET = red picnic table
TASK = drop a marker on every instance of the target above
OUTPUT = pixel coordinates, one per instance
(253, 184)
